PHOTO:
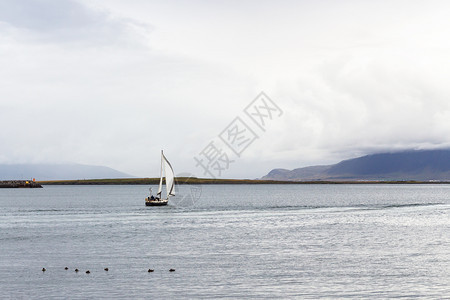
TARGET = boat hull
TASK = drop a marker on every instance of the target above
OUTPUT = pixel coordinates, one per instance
(161, 202)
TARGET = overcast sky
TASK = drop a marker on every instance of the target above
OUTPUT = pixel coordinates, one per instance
(112, 82)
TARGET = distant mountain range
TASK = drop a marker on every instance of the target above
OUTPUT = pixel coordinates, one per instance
(57, 172)
(420, 165)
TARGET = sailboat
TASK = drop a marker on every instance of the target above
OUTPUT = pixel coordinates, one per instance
(166, 168)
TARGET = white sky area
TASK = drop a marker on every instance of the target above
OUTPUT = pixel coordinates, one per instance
(109, 82)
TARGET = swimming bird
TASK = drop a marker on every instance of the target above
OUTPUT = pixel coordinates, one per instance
(150, 270)
(88, 272)
(66, 268)
(106, 269)
(76, 270)
(43, 269)
(172, 270)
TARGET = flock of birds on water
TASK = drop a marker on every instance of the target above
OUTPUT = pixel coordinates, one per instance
(106, 269)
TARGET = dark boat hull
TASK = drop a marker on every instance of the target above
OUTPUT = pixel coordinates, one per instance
(161, 202)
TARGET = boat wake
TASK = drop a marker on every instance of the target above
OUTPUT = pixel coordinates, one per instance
(330, 208)
(410, 205)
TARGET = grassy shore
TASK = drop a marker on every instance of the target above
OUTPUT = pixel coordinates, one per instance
(194, 180)
(178, 180)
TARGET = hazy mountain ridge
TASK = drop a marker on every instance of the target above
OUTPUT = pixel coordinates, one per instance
(58, 172)
(420, 165)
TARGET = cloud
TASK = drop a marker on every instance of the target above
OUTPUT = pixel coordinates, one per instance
(46, 16)
(364, 103)
(102, 103)
(66, 21)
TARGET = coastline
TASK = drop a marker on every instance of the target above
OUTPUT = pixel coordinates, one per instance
(193, 180)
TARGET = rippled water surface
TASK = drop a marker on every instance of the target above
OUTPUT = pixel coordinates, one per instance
(238, 241)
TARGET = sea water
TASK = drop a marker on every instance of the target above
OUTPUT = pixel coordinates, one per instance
(226, 241)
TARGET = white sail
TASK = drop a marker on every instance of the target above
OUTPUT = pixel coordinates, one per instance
(170, 177)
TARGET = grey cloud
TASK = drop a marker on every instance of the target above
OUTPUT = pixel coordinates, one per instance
(66, 21)
(45, 15)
